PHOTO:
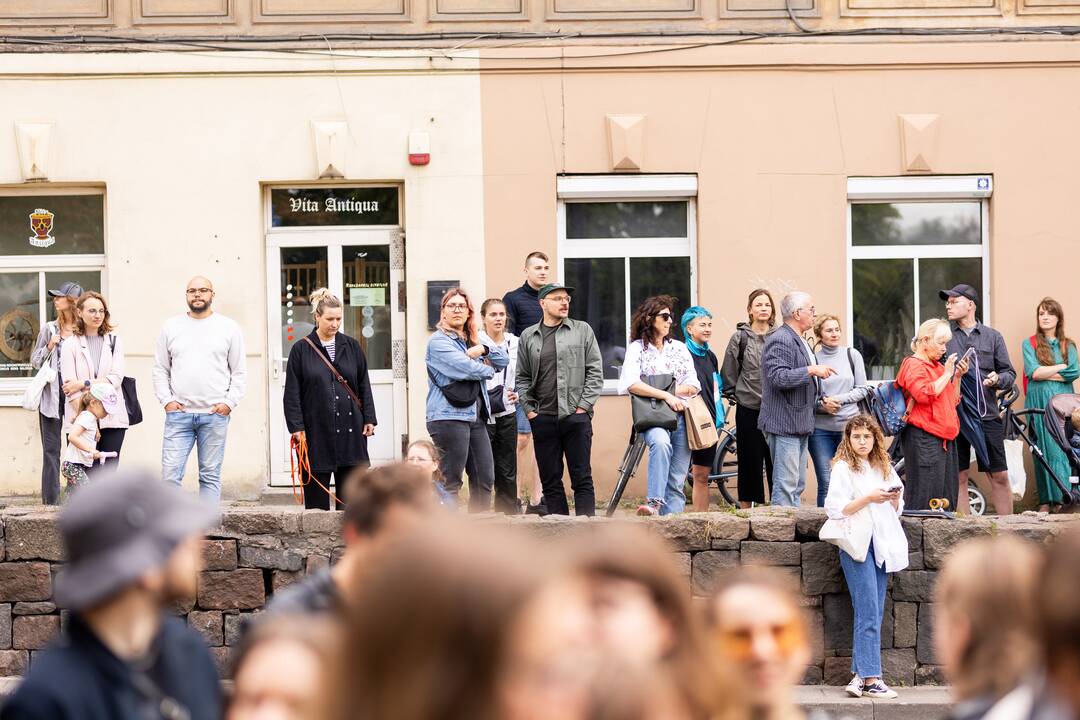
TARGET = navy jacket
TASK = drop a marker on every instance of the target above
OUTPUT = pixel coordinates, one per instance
(788, 391)
(78, 678)
(316, 403)
(522, 308)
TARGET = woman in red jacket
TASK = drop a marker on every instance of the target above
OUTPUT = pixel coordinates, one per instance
(933, 391)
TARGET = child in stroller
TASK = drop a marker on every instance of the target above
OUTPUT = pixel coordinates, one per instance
(1063, 421)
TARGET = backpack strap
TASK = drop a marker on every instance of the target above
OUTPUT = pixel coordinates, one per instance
(742, 348)
(1035, 347)
(851, 362)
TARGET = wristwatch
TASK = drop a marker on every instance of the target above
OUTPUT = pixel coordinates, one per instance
(86, 383)
(487, 351)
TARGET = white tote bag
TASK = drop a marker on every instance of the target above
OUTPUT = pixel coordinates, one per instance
(851, 534)
(32, 397)
(1014, 459)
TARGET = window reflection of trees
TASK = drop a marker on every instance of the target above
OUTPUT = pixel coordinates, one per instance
(626, 220)
(916, 224)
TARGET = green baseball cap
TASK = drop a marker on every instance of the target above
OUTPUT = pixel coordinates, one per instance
(546, 290)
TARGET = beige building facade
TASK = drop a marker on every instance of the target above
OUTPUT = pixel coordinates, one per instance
(865, 169)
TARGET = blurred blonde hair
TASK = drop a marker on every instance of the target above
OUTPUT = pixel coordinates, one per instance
(930, 329)
(991, 582)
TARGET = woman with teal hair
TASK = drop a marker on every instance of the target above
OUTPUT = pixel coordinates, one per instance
(697, 329)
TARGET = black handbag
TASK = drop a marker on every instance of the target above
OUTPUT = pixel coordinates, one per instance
(131, 397)
(650, 412)
(497, 396)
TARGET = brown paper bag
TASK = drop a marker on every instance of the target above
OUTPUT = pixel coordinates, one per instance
(700, 425)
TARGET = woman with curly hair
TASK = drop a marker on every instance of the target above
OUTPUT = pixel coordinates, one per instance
(652, 351)
(865, 489)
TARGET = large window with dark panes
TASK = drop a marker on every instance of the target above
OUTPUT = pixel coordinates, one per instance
(622, 240)
(909, 238)
(48, 236)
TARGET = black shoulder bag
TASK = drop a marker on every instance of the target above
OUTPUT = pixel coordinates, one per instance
(652, 412)
(131, 398)
(459, 393)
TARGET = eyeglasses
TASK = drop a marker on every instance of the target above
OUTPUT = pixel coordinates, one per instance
(738, 643)
(456, 307)
(665, 315)
(559, 299)
(89, 311)
(199, 291)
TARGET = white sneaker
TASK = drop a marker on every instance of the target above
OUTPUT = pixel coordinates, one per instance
(855, 687)
(878, 689)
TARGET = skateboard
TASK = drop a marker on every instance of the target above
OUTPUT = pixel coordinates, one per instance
(939, 508)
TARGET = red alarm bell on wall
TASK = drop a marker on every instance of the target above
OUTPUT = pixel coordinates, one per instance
(419, 148)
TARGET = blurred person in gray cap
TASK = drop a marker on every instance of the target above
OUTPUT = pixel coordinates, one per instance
(992, 369)
(50, 417)
(134, 546)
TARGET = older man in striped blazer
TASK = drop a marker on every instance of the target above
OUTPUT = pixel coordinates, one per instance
(790, 380)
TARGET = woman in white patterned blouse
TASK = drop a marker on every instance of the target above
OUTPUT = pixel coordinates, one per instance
(653, 352)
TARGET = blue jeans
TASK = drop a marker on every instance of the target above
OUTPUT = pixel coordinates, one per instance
(823, 444)
(669, 461)
(183, 430)
(788, 454)
(867, 583)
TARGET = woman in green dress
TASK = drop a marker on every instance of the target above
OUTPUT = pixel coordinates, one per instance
(1050, 367)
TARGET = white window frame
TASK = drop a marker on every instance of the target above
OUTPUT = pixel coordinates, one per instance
(12, 389)
(929, 189)
(628, 188)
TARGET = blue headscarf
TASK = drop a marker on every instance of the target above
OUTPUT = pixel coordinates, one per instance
(693, 313)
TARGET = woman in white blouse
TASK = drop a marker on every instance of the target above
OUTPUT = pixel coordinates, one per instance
(865, 488)
(652, 352)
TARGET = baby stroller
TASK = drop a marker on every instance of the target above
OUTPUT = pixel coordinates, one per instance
(1057, 416)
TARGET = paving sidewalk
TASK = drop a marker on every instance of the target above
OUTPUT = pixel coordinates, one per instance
(915, 703)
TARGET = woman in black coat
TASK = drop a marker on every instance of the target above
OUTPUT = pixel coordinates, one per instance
(319, 409)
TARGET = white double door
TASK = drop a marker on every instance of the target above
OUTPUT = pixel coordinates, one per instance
(365, 268)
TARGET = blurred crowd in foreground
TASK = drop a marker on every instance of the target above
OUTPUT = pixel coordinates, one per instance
(431, 617)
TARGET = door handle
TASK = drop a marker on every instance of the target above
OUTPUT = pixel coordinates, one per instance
(277, 366)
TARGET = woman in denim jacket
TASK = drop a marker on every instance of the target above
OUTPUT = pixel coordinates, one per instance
(455, 353)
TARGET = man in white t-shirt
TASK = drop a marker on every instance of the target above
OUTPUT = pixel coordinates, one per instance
(200, 375)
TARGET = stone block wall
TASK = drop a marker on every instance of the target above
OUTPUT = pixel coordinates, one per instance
(258, 551)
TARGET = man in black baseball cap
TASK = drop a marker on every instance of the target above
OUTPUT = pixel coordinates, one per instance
(134, 546)
(995, 370)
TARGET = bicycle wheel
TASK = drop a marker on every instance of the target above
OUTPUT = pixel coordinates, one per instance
(725, 469)
(976, 500)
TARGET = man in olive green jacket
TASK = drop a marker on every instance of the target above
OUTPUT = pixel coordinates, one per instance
(559, 379)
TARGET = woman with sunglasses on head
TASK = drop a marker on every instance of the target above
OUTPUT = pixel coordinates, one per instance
(95, 354)
(51, 408)
(458, 409)
(652, 351)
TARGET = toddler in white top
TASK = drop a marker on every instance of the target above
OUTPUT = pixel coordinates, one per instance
(82, 449)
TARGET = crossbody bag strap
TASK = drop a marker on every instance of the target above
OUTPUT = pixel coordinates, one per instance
(335, 373)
